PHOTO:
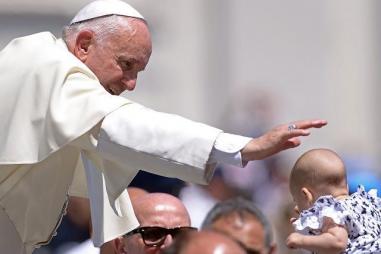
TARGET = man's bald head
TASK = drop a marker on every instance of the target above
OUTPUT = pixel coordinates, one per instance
(135, 193)
(206, 242)
(321, 170)
(153, 207)
(154, 210)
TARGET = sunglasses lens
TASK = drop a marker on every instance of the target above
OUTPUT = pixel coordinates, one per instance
(154, 235)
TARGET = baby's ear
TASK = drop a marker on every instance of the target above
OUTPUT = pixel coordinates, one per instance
(308, 195)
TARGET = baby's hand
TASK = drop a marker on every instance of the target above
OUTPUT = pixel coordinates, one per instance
(293, 241)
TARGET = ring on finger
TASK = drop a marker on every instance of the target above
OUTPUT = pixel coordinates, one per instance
(292, 127)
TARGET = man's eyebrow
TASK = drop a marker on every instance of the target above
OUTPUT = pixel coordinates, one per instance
(127, 58)
(133, 61)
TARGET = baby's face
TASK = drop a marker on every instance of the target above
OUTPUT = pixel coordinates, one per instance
(301, 201)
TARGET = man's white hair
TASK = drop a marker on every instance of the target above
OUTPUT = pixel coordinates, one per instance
(103, 17)
(102, 27)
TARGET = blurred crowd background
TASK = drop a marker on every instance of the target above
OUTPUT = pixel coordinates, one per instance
(244, 66)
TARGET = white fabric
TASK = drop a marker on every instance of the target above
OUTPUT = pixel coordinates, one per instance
(100, 8)
(51, 109)
(167, 145)
(12, 243)
(160, 141)
(227, 148)
(170, 131)
(42, 97)
(103, 230)
(40, 100)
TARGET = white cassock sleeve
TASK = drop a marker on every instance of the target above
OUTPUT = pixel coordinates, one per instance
(159, 143)
(227, 149)
(134, 138)
(167, 144)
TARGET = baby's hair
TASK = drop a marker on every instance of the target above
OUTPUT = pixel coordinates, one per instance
(319, 169)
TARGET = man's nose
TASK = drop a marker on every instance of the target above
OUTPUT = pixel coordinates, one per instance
(168, 241)
(129, 84)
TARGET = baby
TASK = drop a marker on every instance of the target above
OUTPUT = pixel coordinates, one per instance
(331, 221)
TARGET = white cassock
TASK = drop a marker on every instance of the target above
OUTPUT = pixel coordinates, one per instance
(53, 110)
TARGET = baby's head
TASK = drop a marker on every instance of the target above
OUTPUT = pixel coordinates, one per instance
(316, 173)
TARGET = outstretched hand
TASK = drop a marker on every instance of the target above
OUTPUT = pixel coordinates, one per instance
(278, 139)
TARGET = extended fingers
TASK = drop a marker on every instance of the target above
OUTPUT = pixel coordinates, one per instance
(306, 124)
(291, 143)
(289, 134)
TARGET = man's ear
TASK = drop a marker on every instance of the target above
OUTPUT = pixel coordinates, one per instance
(308, 195)
(119, 246)
(82, 44)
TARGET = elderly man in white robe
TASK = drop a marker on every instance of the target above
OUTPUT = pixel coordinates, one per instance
(64, 131)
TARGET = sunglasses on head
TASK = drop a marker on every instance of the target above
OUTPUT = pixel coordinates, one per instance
(155, 236)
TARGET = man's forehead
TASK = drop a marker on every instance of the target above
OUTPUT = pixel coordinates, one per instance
(165, 216)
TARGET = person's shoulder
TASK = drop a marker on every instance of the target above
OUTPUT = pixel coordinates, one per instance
(34, 44)
(37, 38)
(45, 49)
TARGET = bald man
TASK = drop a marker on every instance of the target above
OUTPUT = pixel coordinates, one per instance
(162, 217)
(204, 242)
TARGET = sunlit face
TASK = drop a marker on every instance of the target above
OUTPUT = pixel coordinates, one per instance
(118, 58)
(248, 231)
(165, 215)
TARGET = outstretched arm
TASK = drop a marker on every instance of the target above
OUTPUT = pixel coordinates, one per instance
(170, 138)
(278, 139)
(164, 138)
(333, 240)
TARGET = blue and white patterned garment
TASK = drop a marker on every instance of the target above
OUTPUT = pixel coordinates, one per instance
(360, 214)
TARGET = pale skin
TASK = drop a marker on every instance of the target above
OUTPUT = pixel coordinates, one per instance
(118, 58)
(309, 180)
(155, 209)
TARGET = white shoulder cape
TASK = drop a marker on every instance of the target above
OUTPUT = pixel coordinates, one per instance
(48, 99)
(37, 110)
